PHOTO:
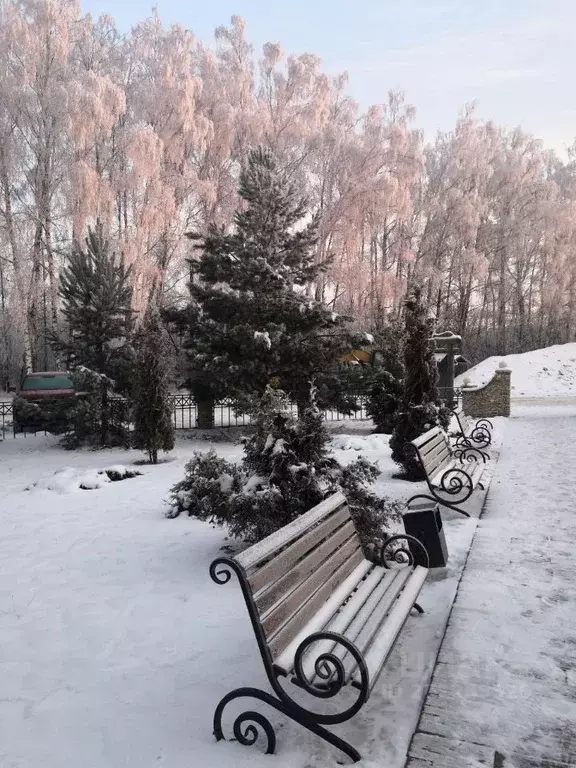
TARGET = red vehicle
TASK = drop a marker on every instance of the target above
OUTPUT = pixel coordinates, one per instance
(46, 385)
(43, 402)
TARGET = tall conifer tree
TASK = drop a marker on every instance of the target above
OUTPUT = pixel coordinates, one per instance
(96, 293)
(387, 378)
(153, 426)
(254, 317)
(421, 407)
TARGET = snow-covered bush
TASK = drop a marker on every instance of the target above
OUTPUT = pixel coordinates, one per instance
(54, 416)
(286, 470)
(97, 419)
(120, 472)
(384, 400)
(206, 488)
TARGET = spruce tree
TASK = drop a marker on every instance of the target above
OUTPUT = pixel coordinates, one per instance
(96, 293)
(253, 317)
(153, 426)
(421, 407)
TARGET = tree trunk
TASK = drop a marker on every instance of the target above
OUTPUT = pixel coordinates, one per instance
(20, 316)
(34, 297)
(205, 413)
(104, 420)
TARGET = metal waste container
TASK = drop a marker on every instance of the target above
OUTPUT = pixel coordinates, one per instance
(424, 521)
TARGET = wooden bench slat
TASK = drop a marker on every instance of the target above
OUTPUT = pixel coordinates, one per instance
(380, 649)
(439, 467)
(286, 584)
(268, 573)
(365, 636)
(432, 434)
(285, 659)
(443, 456)
(286, 613)
(368, 620)
(439, 455)
(433, 445)
(286, 535)
(473, 469)
(286, 635)
(344, 617)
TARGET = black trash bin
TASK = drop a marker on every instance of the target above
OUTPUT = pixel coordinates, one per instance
(424, 521)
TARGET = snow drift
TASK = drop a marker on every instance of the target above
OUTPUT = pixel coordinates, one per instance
(549, 372)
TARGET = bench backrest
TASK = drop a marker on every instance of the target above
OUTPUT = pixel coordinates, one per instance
(292, 572)
(434, 450)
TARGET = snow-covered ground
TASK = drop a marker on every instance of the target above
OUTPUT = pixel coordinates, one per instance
(549, 372)
(506, 679)
(116, 646)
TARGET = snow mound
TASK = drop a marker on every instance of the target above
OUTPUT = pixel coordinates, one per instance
(361, 442)
(549, 372)
(72, 479)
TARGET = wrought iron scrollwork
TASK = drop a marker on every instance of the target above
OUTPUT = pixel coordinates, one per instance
(246, 732)
(480, 436)
(328, 667)
(247, 725)
(403, 553)
(457, 484)
(331, 672)
(468, 454)
(250, 725)
(221, 570)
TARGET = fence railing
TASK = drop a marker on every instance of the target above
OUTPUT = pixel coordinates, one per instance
(6, 413)
(185, 414)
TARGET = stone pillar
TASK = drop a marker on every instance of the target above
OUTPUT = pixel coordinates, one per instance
(491, 399)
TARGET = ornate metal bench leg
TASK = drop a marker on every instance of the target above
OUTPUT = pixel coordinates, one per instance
(248, 735)
(246, 724)
(418, 607)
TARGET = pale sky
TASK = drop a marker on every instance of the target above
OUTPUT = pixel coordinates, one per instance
(515, 58)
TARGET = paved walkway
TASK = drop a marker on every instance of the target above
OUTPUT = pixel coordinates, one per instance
(503, 693)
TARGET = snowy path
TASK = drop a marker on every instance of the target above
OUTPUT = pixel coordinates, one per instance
(504, 689)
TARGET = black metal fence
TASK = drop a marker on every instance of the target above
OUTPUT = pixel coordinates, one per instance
(6, 412)
(185, 414)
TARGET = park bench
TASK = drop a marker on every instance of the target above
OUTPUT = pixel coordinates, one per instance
(472, 433)
(324, 616)
(452, 474)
